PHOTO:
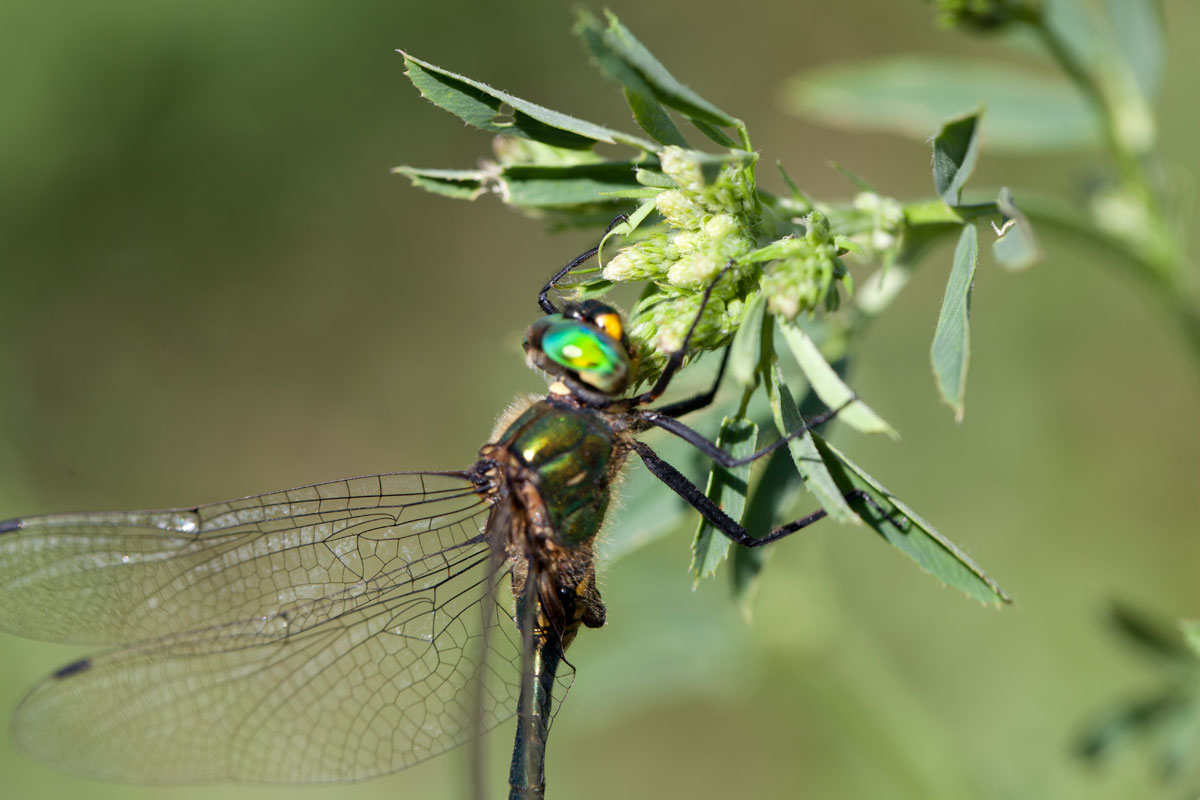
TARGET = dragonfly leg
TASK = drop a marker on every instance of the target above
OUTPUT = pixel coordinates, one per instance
(681, 407)
(675, 360)
(544, 301)
(690, 492)
(657, 418)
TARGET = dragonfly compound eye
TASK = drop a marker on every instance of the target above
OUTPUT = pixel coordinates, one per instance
(597, 358)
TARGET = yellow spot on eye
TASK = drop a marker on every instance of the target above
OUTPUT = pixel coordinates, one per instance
(610, 324)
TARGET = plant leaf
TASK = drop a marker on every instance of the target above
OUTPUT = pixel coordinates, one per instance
(1015, 248)
(624, 59)
(856, 181)
(462, 184)
(580, 184)
(951, 349)
(1029, 111)
(933, 552)
(955, 151)
(809, 463)
(745, 352)
(653, 118)
(483, 107)
(824, 380)
(728, 489)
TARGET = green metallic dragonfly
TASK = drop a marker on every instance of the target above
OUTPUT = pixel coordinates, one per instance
(353, 628)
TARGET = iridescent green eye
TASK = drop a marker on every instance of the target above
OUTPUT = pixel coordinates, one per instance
(593, 355)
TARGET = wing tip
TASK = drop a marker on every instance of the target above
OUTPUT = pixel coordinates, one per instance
(10, 525)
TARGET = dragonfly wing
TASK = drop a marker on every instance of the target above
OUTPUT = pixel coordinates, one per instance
(129, 576)
(321, 634)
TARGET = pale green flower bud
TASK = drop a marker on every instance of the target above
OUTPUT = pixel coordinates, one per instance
(688, 241)
(682, 167)
(696, 269)
(721, 226)
(678, 209)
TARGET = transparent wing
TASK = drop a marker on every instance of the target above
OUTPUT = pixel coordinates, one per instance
(331, 632)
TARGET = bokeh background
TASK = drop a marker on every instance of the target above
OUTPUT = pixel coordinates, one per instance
(210, 285)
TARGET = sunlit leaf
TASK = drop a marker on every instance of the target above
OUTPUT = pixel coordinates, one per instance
(623, 58)
(915, 537)
(951, 349)
(825, 381)
(488, 109)
(809, 463)
(728, 489)
(745, 352)
(461, 184)
(955, 151)
(538, 186)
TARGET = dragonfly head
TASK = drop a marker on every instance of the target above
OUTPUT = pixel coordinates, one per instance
(585, 344)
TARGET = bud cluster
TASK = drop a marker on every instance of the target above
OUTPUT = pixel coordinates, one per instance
(708, 227)
(805, 278)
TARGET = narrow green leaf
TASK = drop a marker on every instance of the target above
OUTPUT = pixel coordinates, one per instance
(824, 380)
(488, 109)
(933, 552)
(654, 179)
(545, 186)
(780, 248)
(1028, 110)
(855, 180)
(951, 349)
(745, 352)
(808, 461)
(653, 118)
(799, 197)
(462, 184)
(1015, 248)
(631, 222)
(955, 151)
(712, 132)
(631, 194)
(621, 57)
(728, 489)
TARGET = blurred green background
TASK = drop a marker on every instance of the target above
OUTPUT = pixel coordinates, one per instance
(212, 286)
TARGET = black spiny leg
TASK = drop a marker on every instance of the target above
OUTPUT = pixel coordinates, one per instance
(657, 418)
(543, 300)
(675, 360)
(679, 484)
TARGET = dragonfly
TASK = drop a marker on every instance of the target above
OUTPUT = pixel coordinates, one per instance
(348, 629)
